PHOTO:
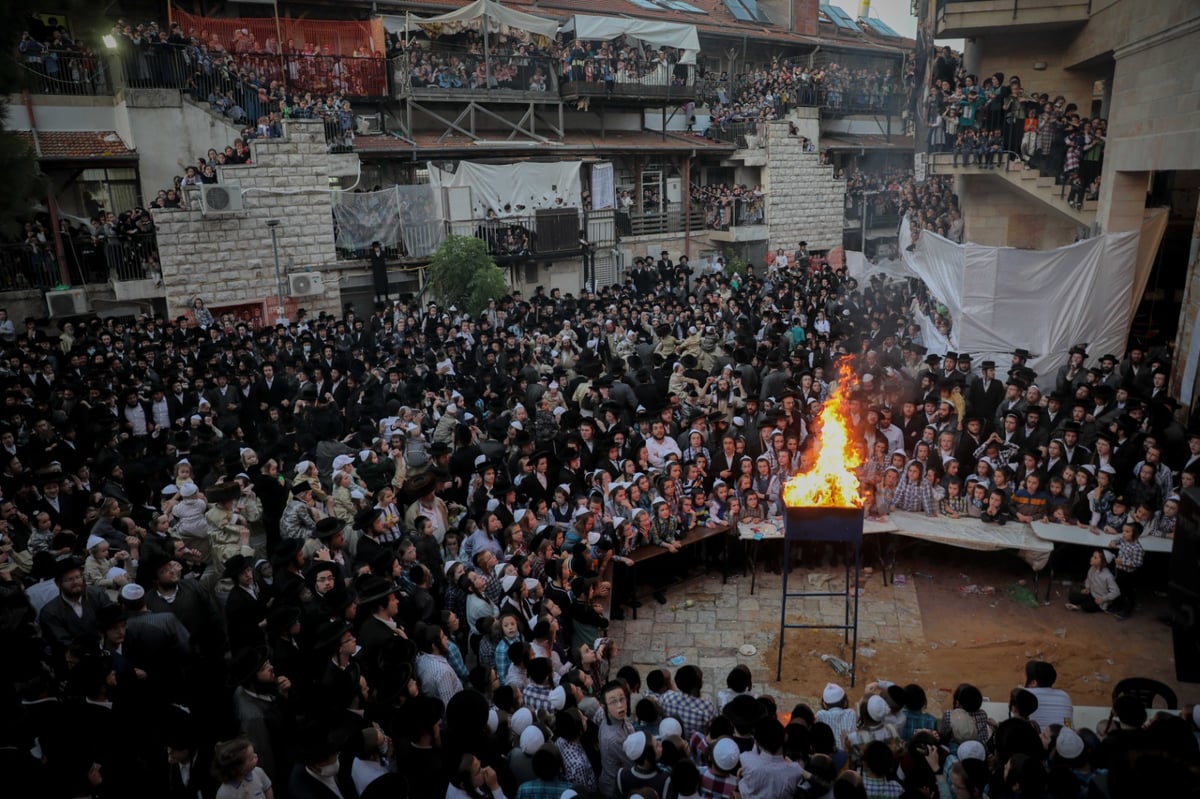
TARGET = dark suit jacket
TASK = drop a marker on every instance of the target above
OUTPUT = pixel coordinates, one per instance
(302, 785)
(61, 626)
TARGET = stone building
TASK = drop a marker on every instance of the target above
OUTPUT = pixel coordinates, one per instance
(228, 259)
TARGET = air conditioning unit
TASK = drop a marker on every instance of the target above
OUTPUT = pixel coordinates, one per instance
(220, 198)
(72, 302)
(305, 284)
(365, 125)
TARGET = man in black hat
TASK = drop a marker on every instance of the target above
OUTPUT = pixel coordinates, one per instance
(329, 538)
(1034, 434)
(245, 607)
(261, 713)
(377, 601)
(1073, 373)
(72, 614)
(1013, 402)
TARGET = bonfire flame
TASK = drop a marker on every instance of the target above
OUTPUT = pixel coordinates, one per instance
(832, 480)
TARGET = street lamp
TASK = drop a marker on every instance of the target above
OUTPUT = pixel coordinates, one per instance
(273, 224)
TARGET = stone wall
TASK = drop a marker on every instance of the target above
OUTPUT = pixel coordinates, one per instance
(228, 260)
(805, 202)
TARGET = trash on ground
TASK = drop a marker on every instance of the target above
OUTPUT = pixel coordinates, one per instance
(866, 651)
(1022, 596)
(837, 664)
(977, 590)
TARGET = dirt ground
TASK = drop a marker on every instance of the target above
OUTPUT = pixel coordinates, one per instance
(985, 639)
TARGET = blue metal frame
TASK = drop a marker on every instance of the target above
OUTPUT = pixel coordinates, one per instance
(823, 525)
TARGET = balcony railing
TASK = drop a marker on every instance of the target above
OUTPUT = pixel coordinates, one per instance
(88, 260)
(67, 72)
(508, 239)
(429, 73)
(666, 81)
(657, 221)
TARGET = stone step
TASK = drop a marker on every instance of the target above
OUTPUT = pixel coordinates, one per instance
(1044, 182)
(1029, 174)
(1091, 205)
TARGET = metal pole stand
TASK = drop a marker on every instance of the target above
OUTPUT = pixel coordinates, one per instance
(823, 525)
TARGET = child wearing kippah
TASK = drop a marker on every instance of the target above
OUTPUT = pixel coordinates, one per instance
(1100, 588)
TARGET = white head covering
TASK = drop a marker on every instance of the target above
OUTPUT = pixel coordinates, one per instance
(833, 694)
(1068, 743)
(971, 750)
(94, 541)
(635, 745)
(726, 754)
(877, 708)
(669, 726)
(521, 721)
(531, 739)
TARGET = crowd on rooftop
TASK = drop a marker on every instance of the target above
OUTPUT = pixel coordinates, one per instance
(361, 556)
(993, 122)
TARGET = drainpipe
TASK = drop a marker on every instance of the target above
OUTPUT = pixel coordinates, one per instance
(64, 274)
(687, 205)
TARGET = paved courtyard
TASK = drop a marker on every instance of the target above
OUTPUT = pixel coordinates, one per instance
(706, 623)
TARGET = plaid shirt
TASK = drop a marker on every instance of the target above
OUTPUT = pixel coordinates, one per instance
(917, 721)
(503, 661)
(540, 789)
(860, 738)
(537, 697)
(1130, 554)
(982, 730)
(693, 712)
(914, 497)
(455, 659)
(842, 720)
(436, 677)
(713, 786)
(877, 788)
(576, 766)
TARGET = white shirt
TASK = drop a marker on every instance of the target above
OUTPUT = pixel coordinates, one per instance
(1054, 705)
(657, 451)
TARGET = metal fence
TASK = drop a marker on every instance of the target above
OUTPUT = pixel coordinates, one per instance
(423, 71)
(667, 80)
(88, 260)
(66, 72)
(656, 221)
(25, 266)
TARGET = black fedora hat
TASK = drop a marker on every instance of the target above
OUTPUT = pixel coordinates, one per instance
(246, 663)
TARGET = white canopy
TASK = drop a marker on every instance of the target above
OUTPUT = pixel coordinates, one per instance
(469, 17)
(658, 34)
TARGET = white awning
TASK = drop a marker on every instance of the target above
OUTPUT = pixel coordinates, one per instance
(657, 34)
(470, 17)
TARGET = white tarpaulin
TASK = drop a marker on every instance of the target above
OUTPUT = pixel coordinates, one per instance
(1046, 301)
(604, 194)
(502, 20)
(399, 214)
(657, 34)
(513, 189)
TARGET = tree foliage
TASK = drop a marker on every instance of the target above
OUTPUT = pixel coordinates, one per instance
(462, 273)
(24, 185)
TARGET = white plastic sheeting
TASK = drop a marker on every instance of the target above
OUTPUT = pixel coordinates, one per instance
(1001, 298)
(513, 189)
(657, 34)
(407, 214)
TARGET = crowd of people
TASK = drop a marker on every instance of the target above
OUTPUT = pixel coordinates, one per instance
(994, 122)
(252, 83)
(770, 91)
(729, 205)
(528, 63)
(106, 244)
(363, 556)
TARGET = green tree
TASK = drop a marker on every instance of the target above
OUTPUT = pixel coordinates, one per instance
(463, 274)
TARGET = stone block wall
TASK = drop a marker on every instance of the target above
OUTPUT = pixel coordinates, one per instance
(228, 260)
(805, 202)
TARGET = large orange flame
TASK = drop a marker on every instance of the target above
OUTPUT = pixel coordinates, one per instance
(832, 480)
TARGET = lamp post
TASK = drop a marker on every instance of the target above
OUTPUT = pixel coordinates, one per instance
(273, 224)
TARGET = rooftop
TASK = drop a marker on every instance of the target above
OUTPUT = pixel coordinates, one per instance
(76, 145)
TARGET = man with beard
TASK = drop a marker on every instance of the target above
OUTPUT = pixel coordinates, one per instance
(259, 703)
(188, 602)
(72, 614)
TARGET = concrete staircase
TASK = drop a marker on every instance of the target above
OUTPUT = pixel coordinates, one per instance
(1028, 181)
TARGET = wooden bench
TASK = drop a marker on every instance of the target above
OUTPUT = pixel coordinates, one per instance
(695, 537)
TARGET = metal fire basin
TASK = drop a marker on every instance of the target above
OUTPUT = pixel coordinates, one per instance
(823, 524)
